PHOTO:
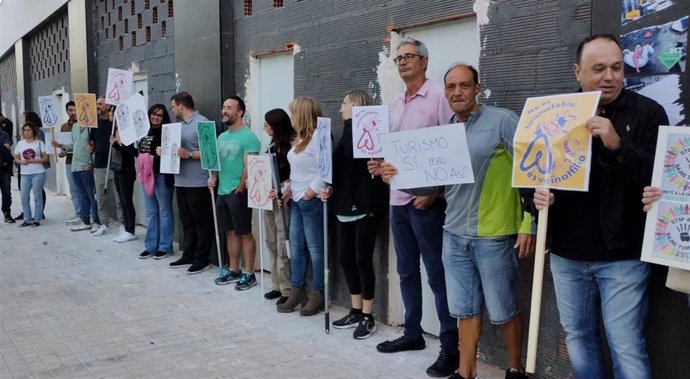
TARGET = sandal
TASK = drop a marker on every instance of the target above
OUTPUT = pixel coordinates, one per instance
(23, 224)
(35, 224)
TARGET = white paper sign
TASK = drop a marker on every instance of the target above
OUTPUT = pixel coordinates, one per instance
(171, 140)
(323, 133)
(64, 138)
(368, 123)
(428, 157)
(119, 88)
(667, 231)
(47, 106)
(259, 181)
(132, 119)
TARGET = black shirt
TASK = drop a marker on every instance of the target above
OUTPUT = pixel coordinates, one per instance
(100, 137)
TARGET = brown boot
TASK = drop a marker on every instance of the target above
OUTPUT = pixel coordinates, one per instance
(297, 296)
(314, 305)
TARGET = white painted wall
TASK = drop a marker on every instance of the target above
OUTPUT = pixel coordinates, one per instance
(18, 17)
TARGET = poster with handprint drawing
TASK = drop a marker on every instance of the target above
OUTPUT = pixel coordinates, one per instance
(86, 110)
(323, 133)
(119, 87)
(47, 107)
(367, 124)
(552, 146)
(132, 119)
(667, 230)
(259, 181)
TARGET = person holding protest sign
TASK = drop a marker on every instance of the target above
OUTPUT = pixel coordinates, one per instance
(596, 236)
(234, 215)
(158, 189)
(30, 154)
(485, 226)
(125, 176)
(417, 221)
(193, 200)
(306, 216)
(359, 204)
(71, 110)
(278, 126)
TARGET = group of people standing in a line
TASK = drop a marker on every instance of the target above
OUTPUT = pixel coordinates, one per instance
(469, 237)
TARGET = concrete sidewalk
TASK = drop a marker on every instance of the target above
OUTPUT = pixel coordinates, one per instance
(78, 306)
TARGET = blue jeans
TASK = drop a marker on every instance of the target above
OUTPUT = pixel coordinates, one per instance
(86, 189)
(481, 272)
(159, 217)
(74, 192)
(32, 182)
(619, 289)
(419, 233)
(306, 236)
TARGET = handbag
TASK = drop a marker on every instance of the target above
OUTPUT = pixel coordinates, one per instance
(678, 280)
(116, 160)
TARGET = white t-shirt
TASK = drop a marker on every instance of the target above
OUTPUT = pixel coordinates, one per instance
(31, 150)
(304, 170)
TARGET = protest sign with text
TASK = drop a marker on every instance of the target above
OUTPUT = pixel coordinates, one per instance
(428, 157)
(552, 145)
(368, 123)
(667, 231)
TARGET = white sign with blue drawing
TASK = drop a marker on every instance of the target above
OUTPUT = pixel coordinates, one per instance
(323, 133)
(132, 119)
(47, 106)
(428, 157)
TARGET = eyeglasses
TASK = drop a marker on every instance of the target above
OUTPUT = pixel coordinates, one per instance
(407, 58)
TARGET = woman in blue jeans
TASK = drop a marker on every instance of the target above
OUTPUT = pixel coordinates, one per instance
(30, 154)
(306, 217)
(158, 189)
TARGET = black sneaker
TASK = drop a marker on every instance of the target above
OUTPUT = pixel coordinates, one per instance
(180, 263)
(145, 255)
(197, 267)
(161, 254)
(512, 373)
(9, 219)
(272, 294)
(282, 300)
(20, 217)
(351, 320)
(365, 328)
(246, 282)
(445, 365)
(229, 277)
(455, 375)
(402, 343)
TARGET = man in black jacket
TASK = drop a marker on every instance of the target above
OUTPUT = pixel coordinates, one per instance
(597, 235)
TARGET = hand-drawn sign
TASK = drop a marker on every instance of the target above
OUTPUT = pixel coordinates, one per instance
(667, 230)
(367, 124)
(86, 109)
(171, 138)
(552, 145)
(208, 145)
(428, 157)
(119, 88)
(323, 133)
(259, 181)
(131, 119)
(48, 110)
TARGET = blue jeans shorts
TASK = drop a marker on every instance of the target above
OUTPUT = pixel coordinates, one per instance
(481, 272)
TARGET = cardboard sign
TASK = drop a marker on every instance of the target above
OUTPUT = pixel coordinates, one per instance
(368, 123)
(208, 145)
(259, 181)
(323, 133)
(86, 110)
(428, 157)
(47, 107)
(171, 140)
(132, 119)
(552, 145)
(667, 231)
(119, 87)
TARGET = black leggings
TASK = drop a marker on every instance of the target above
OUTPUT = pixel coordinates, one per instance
(356, 240)
(124, 184)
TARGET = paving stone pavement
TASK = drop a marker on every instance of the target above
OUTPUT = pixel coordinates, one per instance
(77, 306)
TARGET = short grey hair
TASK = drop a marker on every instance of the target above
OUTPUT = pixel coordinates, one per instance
(421, 47)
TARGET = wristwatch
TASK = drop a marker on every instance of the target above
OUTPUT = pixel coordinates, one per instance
(189, 154)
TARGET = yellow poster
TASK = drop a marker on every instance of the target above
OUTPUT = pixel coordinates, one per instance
(86, 109)
(552, 145)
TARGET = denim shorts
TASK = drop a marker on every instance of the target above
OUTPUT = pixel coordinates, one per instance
(481, 272)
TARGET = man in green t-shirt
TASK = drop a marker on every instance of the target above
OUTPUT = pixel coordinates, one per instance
(234, 216)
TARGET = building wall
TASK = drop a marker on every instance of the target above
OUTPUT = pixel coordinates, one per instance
(136, 35)
(8, 87)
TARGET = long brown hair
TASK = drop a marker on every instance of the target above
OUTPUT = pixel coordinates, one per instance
(304, 111)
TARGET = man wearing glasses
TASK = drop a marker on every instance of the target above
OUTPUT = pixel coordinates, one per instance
(417, 221)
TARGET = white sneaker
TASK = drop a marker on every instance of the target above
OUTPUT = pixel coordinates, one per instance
(102, 229)
(79, 227)
(94, 227)
(121, 229)
(125, 237)
(74, 221)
